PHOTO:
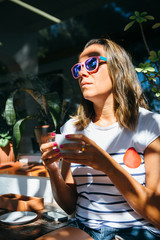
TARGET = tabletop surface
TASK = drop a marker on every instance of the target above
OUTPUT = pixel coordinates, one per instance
(21, 168)
(32, 230)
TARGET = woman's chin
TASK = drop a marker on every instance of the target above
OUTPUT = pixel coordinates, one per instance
(88, 97)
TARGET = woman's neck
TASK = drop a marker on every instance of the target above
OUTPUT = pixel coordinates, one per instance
(104, 115)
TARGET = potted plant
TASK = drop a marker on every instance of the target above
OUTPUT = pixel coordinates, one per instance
(10, 130)
(49, 105)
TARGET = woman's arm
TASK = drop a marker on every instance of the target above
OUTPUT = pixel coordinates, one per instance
(63, 188)
(144, 200)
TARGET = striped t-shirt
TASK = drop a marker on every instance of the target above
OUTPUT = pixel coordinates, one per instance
(99, 201)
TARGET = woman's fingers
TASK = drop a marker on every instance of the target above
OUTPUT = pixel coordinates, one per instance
(78, 137)
(50, 154)
(74, 147)
(81, 143)
(51, 159)
(47, 146)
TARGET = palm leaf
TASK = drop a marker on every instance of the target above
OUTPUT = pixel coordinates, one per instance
(37, 96)
(129, 25)
(54, 106)
(9, 112)
(17, 135)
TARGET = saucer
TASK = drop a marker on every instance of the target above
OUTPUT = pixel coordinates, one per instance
(18, 217)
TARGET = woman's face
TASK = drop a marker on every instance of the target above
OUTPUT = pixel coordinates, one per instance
(96, 86)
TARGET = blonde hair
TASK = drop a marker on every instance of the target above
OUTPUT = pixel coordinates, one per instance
(127, 92)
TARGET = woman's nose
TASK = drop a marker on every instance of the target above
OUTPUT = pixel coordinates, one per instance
(83, 71)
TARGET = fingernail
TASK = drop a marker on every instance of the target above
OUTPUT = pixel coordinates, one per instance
(56, 150)
(67, 136)
(53, 134)
(55, 144)
(61, 146)
(59, 155)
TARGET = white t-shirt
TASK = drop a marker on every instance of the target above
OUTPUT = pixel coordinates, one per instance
(99, 201)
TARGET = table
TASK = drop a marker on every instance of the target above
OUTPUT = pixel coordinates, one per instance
(32, 230)
(30, 179)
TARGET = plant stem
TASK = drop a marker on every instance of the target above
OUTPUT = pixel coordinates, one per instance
(144, 39)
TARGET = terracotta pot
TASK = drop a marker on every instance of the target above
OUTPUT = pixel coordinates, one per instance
(7, 154)
(18, 202)
(42, 131)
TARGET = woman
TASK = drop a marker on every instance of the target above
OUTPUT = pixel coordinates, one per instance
(111, 172)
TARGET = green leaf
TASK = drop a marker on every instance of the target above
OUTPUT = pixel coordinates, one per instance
(138, 69)
(153, 53)
(140, 19)
(5, 134)
(157, 94)
(37, 96)
(137, 13)
(150, 69)
(8, 137)
(149, 17)
(146, 64)
(143, 14)
(153, 56)
(9, 112)
(154, 89)
(129, 25)
(54, 106)
(3, 142)
(132, 17)
(17, 136)
(156, 25)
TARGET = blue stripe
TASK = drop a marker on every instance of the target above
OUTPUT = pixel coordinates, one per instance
(89, 175)
(98, 184)
(107, 221)
(103, 203)
(104, 175)
(138, 174)
(97, 211)
(99, 193)
(122, 163)
(122, 153)
(85, 166)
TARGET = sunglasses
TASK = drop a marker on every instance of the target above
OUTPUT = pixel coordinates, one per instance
(91, 64)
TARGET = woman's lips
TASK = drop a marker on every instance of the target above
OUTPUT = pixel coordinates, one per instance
(83, 84)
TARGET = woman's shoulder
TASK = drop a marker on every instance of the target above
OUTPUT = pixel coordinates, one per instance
(148, 128)
(148, 115)
(149, 120)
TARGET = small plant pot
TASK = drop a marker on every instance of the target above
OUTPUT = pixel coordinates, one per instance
(7, 154)
(42, 131)
(18, 202)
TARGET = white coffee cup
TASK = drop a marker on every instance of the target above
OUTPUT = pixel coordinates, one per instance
(61, 139)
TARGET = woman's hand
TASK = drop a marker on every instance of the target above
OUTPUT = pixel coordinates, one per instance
(60, 187)
(50, 155)
(83, 151)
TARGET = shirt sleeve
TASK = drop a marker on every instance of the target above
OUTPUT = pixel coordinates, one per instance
(153, 128)
(149, 127)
